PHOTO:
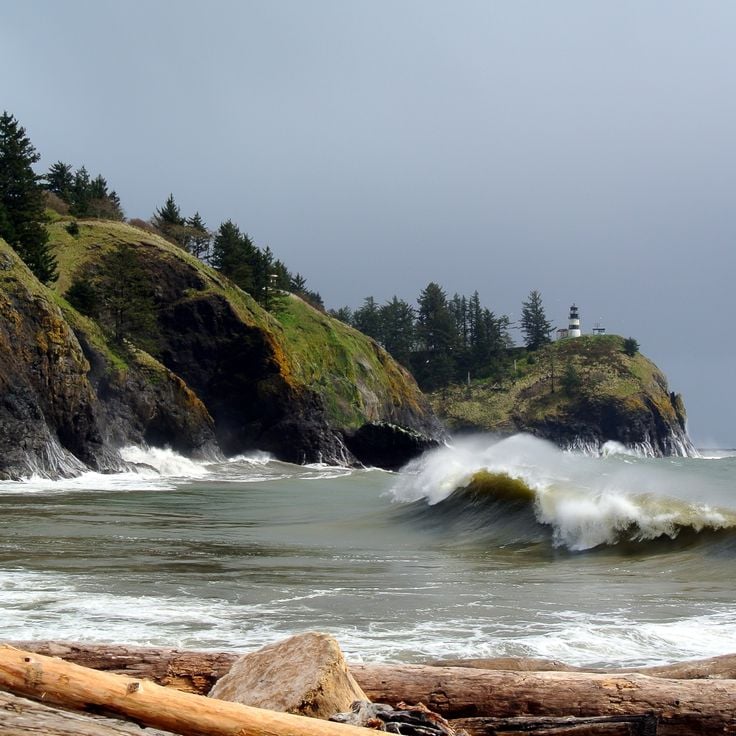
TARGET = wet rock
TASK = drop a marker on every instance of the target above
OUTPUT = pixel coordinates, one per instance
(409, 720)
(386, 445)
(305, 674)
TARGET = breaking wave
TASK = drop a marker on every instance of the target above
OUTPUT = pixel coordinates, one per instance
(523, 490)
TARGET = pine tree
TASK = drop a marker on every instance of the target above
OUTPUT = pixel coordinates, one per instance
(171, 223)
(21, 200)
(534, 323)
(81, 193)
(434, 363)
(367, 319)
(344, 314)
(199, 238)
(233, 254)
(60, 180)
(631, 347)
(125, 293)
(169, 214)
(397, 327)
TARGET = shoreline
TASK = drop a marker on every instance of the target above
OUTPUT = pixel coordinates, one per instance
(480, 696)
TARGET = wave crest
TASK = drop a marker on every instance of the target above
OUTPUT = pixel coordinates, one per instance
(523, 483)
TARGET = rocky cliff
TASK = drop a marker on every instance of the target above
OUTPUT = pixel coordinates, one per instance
(580, 392)
(213, 372)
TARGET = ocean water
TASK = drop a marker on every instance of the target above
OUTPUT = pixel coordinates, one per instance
(479, 549)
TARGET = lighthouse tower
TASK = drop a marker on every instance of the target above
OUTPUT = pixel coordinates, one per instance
(573, 329)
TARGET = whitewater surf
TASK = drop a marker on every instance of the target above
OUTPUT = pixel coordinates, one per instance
(479, 549)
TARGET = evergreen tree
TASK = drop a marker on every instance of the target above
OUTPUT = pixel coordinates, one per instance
(60, 180)
(85, 196)
(571, 381)
(534, 323)
(344, 314)
(125, 295)
(21, 200)
(81, 193)
(397, 329)
(367, 319)
(199, 238)
(170, 222)
(631, 347)
(434, 362)
(298, 283)
(233, 253)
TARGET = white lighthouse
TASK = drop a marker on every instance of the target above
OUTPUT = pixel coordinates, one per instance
(573, 325)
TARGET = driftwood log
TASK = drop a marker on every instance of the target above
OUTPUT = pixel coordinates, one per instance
(55, 681)
(486, 701)
(23, 717)
(197, 671)
(681, 707)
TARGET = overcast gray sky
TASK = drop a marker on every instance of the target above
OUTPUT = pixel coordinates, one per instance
(585, 149)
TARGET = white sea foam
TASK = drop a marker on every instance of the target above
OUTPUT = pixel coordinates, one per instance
(90, 481)
(258, 457)
(40, 605)
(165, 462)
(587, 501)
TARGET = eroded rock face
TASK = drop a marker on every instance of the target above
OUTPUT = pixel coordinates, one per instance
(305, 674)
(222, 374)
(48, 419)
(388, 446)
(643, 425)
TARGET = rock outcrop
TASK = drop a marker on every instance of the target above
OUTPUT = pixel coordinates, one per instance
(67, 402)
(214, 372)
(579, 393)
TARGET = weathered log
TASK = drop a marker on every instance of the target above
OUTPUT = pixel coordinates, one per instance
(545, 726)
(535, 726)
(189, 671)
(69, 685)
(197, 671)
(465, 692)
(682, 707)
(720, 668)
(23, 717)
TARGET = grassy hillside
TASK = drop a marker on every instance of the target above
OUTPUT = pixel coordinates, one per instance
(561, 382)
(357, 380)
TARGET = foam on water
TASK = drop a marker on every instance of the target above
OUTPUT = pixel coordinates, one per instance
(151, 468)
(165, 462)
(587, 501)
(44, 606)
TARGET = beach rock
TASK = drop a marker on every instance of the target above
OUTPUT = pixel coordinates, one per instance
(409, 720)
(305, 674)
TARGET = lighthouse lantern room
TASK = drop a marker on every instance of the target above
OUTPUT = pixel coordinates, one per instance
(573, 329)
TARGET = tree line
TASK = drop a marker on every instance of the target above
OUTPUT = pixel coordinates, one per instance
(442, 340)
(445, 339)
(25, 196)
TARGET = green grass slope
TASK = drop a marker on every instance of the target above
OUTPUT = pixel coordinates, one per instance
(356, 379)
(614, 394)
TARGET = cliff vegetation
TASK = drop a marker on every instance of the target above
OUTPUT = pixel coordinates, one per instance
(581, 391)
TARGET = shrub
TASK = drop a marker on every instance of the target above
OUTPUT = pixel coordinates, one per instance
(631, 347)
(73, 228)
(53, 202)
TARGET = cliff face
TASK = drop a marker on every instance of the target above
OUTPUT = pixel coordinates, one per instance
(47, 407)
(600, 394)
(214, 371)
